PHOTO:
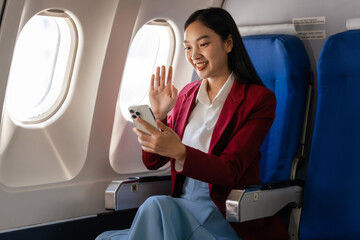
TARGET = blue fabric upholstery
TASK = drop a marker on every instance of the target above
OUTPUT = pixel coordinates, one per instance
(283, 65)
(331, 207)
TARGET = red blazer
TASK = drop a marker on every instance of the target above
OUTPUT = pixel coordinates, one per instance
(233, 160)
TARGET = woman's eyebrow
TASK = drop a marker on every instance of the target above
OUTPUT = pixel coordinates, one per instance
(198, 39)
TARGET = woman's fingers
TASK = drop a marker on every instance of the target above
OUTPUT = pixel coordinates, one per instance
(152, 82)
(157, 77)
(162, 76)
(144, 140)
(150, 128)
(165, 142)
(169, 76)
(161, 126)
(162, 94)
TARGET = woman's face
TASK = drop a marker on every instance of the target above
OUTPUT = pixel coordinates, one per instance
(206, 51)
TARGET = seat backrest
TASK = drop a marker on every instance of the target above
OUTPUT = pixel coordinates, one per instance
(283, 65)
(331, 208)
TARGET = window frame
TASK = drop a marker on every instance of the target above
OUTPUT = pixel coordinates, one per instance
(169, 61)
(38, 116)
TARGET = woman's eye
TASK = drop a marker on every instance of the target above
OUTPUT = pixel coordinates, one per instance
(204, 44)
(186, 48)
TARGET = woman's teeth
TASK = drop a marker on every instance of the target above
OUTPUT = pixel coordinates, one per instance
(201, 66)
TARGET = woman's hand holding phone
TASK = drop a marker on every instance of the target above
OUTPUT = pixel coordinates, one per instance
(162, 140)
(143, 112)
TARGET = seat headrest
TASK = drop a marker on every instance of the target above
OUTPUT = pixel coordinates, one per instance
(288, 29)
(353, 24)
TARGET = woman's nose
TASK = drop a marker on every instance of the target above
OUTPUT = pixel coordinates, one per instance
(195, 54)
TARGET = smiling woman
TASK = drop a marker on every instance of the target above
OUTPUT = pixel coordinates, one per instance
(212, 139)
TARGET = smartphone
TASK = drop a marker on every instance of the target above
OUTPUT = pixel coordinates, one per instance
(144, 112)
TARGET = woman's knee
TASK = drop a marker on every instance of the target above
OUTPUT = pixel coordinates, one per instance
(156, 201)
(155, 206)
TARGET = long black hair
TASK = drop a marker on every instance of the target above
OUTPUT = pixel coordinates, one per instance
(221, 22)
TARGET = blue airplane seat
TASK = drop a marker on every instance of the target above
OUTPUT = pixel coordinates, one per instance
(283, 65)
(331, 208)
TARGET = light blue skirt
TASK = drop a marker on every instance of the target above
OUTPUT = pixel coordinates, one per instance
(192, 217)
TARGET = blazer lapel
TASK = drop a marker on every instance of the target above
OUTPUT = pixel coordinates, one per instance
(232, 102)
(186, 109)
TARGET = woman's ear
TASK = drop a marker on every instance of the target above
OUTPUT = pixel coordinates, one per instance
(229, 44)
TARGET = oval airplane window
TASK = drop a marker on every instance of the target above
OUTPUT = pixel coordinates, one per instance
(41, 67)
(152, 46)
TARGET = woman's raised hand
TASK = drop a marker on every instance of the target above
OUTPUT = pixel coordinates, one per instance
(162, 94)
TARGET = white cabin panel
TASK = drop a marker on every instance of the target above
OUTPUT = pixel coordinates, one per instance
(39, 162)
(263, 12)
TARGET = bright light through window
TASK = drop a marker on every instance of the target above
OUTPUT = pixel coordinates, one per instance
(40, 68)
(152, 46)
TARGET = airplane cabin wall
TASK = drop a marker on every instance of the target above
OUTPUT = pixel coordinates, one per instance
(78, 136)
(30, 199)
(263, 12)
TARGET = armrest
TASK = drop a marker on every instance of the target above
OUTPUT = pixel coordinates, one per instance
(260, 202)
(132, 192)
